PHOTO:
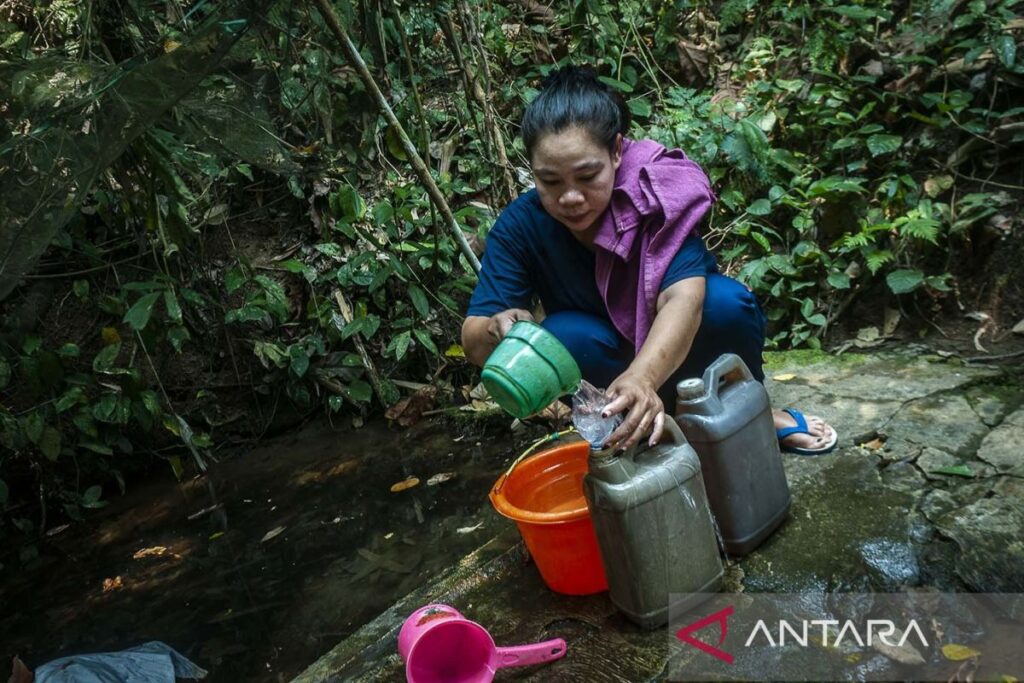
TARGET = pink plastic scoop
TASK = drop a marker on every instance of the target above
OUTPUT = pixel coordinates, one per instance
(439, 645)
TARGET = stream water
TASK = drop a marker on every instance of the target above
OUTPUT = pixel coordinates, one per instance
(261, 566)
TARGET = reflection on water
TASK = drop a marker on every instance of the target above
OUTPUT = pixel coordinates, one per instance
(263, 565)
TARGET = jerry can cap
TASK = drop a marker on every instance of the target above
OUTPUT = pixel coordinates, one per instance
(689, 389)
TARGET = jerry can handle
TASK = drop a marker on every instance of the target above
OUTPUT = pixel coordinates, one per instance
(729, 368)
(674, 431)
(671, 427)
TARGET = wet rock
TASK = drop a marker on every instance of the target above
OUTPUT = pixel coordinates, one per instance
(887, 377)
(990, 535)
(990, 409)
(903, 476)
(937, 503)
(1009, 486)
(855, 418)
(932, 461)
(944, 422)
(843, 520)
(896, 450)
(1002, 448)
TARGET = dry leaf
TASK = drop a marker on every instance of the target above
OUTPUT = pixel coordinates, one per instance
(410, 409)
(556, 413)
(455, 351)
(469, 529)
(155, 551)
(693, 60)
(784, 377)
(936, 185)
(440, 478)
(958, 653)
(891, 321)
(904, 654)
(20, 672)
(112, 584)
(405, 484)
(1019, 327)
(273, 533)
(874, 444)
(109, 336)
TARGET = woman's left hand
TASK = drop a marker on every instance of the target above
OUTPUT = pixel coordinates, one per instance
(637, 396)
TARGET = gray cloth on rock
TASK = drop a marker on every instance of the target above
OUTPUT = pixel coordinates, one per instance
(152, 662)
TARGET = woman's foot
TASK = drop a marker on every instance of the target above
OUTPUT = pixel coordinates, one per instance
(806, 435)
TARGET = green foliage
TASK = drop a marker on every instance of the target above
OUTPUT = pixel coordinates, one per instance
(268, 231)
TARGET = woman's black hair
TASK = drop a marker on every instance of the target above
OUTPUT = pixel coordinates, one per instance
(573, 96)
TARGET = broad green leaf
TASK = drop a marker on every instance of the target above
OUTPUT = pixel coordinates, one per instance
(938, 282)
(31, 344)
(394, 142)
(419, 301)
(640, 107)
(138, 315)
(5, 372)
(883, 144)
(329, 249)
(104, 360)
(904, 280)
(855, 12)
(70, 398)
(359, 391)
(423, 336)
(762, 240)
(80, 288)
(347, 204)
(760, 207)
(33, 426)
(234, 279)
(91, 497)
(293, 266)
(49, 443)
(299, 360)
(400, 344)
(618, 85)
(69, 350)
(178, 336)
(1006, 48)
(172, 305)
(839, 280)
(12, 39)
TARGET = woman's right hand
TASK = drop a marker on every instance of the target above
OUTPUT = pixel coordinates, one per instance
(501, 323)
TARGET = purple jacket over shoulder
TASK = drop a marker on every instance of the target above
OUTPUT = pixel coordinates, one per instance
(658, 199)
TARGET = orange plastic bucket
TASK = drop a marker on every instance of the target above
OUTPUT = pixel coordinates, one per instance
(543, 495)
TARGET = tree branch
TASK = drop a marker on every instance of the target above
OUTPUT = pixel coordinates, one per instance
(354, 58)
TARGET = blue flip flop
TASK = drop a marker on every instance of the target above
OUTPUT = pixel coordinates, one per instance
(801, 428)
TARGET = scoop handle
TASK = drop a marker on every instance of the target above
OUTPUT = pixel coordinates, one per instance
(534, 653)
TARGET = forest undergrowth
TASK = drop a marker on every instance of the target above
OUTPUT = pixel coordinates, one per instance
(213, 225)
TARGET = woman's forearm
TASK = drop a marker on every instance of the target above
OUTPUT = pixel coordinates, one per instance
(675, 325)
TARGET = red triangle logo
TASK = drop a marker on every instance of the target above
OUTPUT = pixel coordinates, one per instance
(721, 618)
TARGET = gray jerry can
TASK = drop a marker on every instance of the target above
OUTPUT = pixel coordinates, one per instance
(727, 419)
(653, 527)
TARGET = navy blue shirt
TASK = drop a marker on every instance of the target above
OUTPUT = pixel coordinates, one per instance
(530, 253)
